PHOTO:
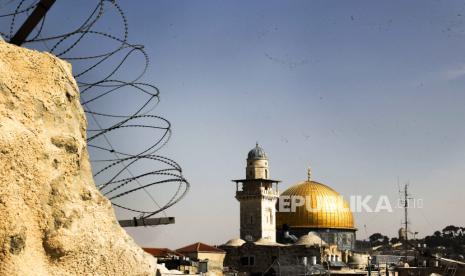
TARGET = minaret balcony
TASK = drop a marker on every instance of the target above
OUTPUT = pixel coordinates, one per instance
(269, 193)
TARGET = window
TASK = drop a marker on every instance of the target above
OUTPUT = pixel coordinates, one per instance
(269, 216)
(251, 219)
(244, 261)
(248, 261)
(251, 260)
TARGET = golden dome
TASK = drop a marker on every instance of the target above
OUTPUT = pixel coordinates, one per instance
(323, 208)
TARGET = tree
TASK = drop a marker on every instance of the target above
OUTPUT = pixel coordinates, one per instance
(376, 237)
(451, 230)
(385, 240)
(394, 240)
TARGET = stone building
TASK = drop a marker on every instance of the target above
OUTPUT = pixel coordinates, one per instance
(308, 230)
(213, 256)
(269, 258)
(322, 210)
(257, 196)
(170, 262)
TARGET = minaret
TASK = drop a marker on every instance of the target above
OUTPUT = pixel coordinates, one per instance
(257, 198)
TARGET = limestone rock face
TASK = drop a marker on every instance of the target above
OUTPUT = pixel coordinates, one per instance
(53, 220)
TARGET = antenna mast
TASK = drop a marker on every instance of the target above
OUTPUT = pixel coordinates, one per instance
(405, 197)
(406, 211)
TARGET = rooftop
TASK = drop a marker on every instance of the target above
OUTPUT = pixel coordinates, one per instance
(199, 247)
(161, 252)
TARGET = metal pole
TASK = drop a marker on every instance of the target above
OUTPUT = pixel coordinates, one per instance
(135, 222)
(369, 266)
(406, 212)
(31, 22)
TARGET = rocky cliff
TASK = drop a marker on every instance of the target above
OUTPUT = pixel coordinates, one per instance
(53, 220)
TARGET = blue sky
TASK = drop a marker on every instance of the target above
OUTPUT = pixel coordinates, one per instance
(366, 92)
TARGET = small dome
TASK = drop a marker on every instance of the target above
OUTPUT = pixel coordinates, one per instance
(310, 239)
(263, 241)
(256, 153)
(235, 242)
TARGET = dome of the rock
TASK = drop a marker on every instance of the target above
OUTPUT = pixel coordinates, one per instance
(323, 207)
(315, 207)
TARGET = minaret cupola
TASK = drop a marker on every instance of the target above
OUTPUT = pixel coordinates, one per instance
(257, 164)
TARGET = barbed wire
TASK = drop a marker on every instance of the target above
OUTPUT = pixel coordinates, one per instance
(102, 81)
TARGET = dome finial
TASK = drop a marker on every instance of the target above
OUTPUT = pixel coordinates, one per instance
(256, 144)
(309, 173)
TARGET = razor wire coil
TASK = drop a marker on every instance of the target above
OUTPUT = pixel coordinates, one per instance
(117, 167)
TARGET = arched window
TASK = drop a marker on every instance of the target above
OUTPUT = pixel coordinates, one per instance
(269, 216)
(266, 173)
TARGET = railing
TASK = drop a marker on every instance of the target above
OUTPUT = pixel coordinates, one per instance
(261, 192)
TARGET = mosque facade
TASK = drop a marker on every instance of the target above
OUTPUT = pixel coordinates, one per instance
(309, 225)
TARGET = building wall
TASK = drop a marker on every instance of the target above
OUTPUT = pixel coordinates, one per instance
(264, 256)
(343, 238)
(251, 219)
(215, 262)
(257, 169)
(268, 219)
(332, 253)
(257, 211)
(358, 260)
